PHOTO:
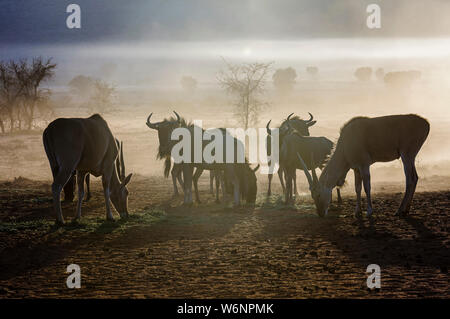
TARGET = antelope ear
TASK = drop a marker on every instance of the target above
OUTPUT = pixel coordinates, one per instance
(312, 123)
(126, 180)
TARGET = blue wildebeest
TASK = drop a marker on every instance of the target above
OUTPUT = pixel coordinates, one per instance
(295, 124)
(314, 149)
(233, 172)
(87, 146)
(364, 141)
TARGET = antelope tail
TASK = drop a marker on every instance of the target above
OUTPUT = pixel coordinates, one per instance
(167, 165)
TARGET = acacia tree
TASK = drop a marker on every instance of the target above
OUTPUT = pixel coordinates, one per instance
(20, 91)
(10, 91)
(102, 98)
(31, 76)
(284, 80)
(247, 83)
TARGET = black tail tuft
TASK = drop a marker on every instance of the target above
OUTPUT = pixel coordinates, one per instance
(167, 165)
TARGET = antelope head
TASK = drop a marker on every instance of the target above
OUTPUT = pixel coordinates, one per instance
(320, 193)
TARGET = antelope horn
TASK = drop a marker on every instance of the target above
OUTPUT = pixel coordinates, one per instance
(178, 117)
(310, 118)
(289, 117)
(269, 132)
(151, 125)
(305, 169)
(122, 162)
(256, 168)
(118, 160)
(313, 168)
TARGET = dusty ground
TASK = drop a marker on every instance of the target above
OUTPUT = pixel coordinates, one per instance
(210, 250)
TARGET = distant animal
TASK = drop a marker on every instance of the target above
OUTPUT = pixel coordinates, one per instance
(231, 170)
(362, 142)
(301, 127)
(87, 146)
(315, 150)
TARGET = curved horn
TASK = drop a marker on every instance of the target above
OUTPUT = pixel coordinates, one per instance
(178, 117)
(289, 117)
(305, 169)
(151, 125)
(310, 118)
(256, 168)
(313, 168)
(118, 160)
(269, 132)
(122, 162)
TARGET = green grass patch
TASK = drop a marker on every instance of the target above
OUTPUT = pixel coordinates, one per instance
(32, 225)
(98, 225)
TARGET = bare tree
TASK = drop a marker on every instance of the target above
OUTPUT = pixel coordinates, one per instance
(246, 82)
(10, 90)
(30, 77)
(20, 90)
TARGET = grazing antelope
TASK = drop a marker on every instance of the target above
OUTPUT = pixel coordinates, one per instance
(87, 146)
(69, 188)
(286, 127)
(362, 142)
(309, 147)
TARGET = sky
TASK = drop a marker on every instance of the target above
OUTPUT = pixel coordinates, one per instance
(169, 38)
(43, 22)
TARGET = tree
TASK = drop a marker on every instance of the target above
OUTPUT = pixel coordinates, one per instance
(188, 83)
(284, 79)
(102, 99)
(363, 74)
(10, 90)
(82, 85)
(402, 79)
(31, 76)
(20, 89)
(379, 73)
(313, 71)
(246, 82)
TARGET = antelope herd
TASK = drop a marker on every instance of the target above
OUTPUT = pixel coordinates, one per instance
(83, 146)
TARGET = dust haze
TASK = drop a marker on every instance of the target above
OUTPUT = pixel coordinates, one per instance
(147, 78)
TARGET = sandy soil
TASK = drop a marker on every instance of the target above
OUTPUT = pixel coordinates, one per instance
(211, 250)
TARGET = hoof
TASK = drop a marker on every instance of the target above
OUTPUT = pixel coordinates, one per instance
(358, 214)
